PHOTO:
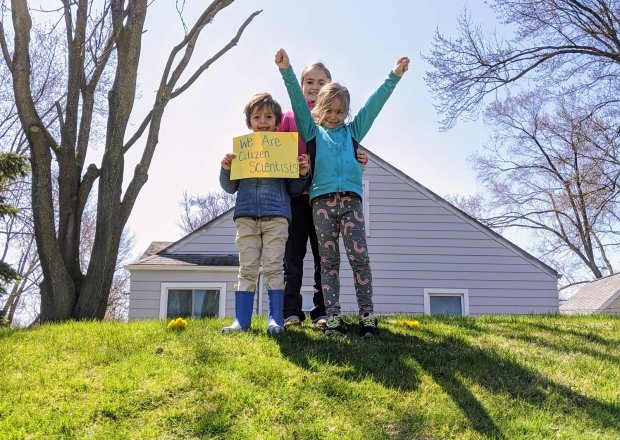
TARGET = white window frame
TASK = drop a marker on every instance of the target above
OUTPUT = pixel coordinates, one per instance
(165, 287)
(366, 205)
(462, 293)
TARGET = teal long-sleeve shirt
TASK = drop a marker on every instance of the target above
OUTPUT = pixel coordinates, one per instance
(336, 168)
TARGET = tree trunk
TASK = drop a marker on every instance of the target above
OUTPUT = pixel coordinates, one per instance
(66, 293)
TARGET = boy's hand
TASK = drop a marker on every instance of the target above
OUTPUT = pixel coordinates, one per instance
(304, 164)
(282, 60)
(402, 65)
(227, 161)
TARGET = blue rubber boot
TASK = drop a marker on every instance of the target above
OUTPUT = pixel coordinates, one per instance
(275, 323)
(244, 303)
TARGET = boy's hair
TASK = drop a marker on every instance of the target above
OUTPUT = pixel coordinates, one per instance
(260, 101)
(327, 94)
(317, 65)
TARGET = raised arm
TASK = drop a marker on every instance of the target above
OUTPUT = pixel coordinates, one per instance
(370, 110)
(305, 123)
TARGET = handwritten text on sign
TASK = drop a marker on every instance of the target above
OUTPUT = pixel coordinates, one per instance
(265, 154)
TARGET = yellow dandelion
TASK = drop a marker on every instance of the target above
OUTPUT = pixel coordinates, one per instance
(177, 324)
(412, 324)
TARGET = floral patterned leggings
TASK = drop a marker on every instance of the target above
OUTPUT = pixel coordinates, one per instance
(333, 214)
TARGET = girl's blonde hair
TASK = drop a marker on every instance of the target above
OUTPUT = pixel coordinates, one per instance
(316, 65)
(327, 94)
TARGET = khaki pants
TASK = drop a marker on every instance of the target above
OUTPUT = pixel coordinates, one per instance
(263, 237)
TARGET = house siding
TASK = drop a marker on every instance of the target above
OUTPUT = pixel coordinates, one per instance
(416, 241)
(219, 239)
(144, 300)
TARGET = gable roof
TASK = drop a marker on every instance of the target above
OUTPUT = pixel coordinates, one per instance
(462, 214)
(210, 224)
(594, 296)
(161, 253)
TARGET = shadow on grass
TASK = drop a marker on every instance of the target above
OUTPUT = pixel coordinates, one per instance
(6, 332)
(586, 335)
(500, 375)
(455, 366)
(363, 357)
(565, 339)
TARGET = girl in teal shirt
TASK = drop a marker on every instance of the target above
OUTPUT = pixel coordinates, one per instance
(336, 188)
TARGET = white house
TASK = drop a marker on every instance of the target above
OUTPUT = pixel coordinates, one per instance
(427, 256)
(599, 296)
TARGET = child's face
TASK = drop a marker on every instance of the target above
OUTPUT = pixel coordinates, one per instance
(335, 114)
(314, 79)
(263, 119)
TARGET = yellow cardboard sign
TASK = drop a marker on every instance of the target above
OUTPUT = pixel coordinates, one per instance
(265, 154)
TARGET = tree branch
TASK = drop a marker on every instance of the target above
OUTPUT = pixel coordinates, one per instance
(5, 49)
(233, 42)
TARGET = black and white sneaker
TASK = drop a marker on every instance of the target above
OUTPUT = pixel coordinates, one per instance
(335, 326)
(368, 326)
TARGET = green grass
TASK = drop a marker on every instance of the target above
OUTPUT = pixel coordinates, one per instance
(503, 377)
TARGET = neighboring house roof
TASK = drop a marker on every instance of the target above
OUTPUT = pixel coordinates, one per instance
(189, 260)
(594, 296)
(163, 253)
(154, 247)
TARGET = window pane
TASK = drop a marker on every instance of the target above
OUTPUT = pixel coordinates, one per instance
(206, 303)
(446, 305)
(179, 303)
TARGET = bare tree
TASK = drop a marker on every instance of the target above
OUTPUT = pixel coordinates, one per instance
(201, 209)
(17, 242)
(560, 46)
(551, 168)
(118, 300)
(23, 296)
(97, 41)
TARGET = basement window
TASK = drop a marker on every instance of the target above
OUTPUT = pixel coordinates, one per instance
(452, 302)
(191, 301)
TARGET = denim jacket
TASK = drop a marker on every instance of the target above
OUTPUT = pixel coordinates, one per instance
(260, 197)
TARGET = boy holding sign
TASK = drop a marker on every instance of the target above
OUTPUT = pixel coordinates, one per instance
(262, 214)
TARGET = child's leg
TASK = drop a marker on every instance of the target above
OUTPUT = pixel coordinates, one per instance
(354, 238)
(318, 311)
(296, 245)
(275, 233)
(249, 243)
(327, 226)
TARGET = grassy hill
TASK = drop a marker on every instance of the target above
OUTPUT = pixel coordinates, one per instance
(528, 377)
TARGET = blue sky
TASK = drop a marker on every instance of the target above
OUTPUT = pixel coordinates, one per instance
(358, 40)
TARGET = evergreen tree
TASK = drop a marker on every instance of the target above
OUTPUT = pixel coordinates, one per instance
(12, 166)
